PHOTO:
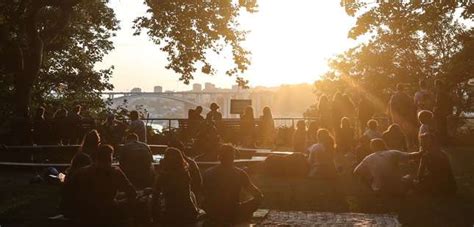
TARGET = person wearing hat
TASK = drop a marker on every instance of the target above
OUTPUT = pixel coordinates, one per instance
(214, 114)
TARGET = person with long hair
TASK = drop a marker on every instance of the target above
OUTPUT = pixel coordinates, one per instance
(344, 136)
(394, 138)
(173, 186)
(267, 127)
(312, 133)
(321, 156)
(299, 137)
(247, 127)
(86, 153)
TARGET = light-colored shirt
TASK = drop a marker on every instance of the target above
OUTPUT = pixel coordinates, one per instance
(382, 169)
(138, 127)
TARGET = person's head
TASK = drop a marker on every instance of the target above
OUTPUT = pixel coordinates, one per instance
(60, 113)
(90, 142)
(104, 155)
(131, 137)
(77, 109)
(40, 112)
(198, 110)
(323, 101)
(377, 145)
(372, 124)
(173, 161)
(325, 138)
(134, 115)
(226, 155)
(425, 116)
(190, 112)
(313, 127)
(423, 84)
(301, 125)
(267, 112)
(248, 111)
(110, 117)
(400, 87)
(214, 106)
(395, 129)
(345, 123)
(337, 97)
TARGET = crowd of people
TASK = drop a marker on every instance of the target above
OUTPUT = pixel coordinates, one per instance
(174, 194)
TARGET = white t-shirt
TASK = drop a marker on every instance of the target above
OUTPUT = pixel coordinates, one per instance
(383, 170)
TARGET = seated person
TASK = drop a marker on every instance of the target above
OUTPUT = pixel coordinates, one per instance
(321, 156)
(381, 169)
(434, 173)
(299, 138)
(395, 139)
(173, 182)
(135, 160)
(87, 151)
(222, 186)
(425, 117)
(372, 130)
(93, 190)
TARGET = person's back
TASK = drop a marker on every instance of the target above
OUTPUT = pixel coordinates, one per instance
(395, 139)
(93, 190)
(135, 160)
(299, 138)
(321, 157)
(137, 126)
(74, 121)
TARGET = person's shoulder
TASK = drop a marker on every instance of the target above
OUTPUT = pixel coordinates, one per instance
(211, 171)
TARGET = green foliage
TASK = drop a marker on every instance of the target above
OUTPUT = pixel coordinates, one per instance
(188, 30)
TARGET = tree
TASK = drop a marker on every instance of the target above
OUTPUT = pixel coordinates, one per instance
(188, 30)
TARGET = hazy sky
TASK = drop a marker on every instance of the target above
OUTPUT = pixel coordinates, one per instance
(290, 43)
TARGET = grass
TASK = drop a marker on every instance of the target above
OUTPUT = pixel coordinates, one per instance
(25, 204)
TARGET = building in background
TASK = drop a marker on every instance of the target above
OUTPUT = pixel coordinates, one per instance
(197, 87)
(136, 90)
(158, 89)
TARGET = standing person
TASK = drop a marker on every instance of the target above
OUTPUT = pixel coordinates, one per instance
(112, 130)
(366, 111)
(372, 131)
(247, 127)
(312, 134)
(136, 161)
(137, 126)
(93, 189)
(60, 127)
(324, 111)
(197, 114)
(41, 129)
(425, 118)
(403, 112)
(222, 188)
(347, 106)
(299, 138)
(214, 114)
(395, 139)
(434, 173)
(423, 98)
(321, 156)
(344, 137)
(380, 170)
(74, 120)
(443, 108)
(267, 128)
(337, 110)
(173, 186)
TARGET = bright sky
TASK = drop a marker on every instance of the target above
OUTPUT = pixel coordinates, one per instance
(290, 42)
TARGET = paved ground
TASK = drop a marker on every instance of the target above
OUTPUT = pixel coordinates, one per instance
(308, 218)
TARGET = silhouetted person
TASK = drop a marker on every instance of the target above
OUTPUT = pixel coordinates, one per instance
(267, 128)
(214, 114)
(60, 126)
(337, 110)
(423, 98)
(425, 117)
(403, 112)
(321, 156)
(173, 187)
(74, 120)
(93, 190)
(372, 131)
(195, 121)
(380, 170)
(324, 112)
(41, 127)
(112, 131)
(137, 126)
(347, 106)
(366, 112)
(198, 112)
(394, 138)
(434, 173)
(443, 108)
(86, 153)
(299, 137)
(136, 161)
(312, 134)
(344, 136)
(247, 127)
(207, 142)
(194, 172)
(222, 187)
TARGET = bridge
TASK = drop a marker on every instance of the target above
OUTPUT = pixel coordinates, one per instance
(191, 99)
